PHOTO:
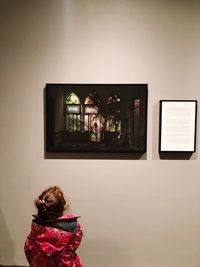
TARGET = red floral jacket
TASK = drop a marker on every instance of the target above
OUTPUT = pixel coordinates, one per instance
(51, 247)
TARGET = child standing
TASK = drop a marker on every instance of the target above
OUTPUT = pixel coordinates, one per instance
(54, 237)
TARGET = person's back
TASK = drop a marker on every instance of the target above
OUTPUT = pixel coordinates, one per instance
(54, 237)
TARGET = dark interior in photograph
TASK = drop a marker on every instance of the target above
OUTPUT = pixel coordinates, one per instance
(96, 117)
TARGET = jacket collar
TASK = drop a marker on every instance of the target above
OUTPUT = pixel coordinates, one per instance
(62, 218)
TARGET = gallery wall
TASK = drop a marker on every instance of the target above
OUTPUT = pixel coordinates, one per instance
(135, 212)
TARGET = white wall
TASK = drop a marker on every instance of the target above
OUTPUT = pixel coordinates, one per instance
(140, 213)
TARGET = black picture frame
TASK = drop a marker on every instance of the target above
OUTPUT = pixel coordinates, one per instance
(96, 117)
(177, 130)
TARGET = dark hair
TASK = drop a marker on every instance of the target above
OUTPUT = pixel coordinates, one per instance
(51, 203)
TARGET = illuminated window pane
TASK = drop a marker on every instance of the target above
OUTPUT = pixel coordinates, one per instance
(78, 123)
(119, 126)
(86, 123)
(73, 117)
(91, 109)
(113, 125)
(72, 99)
(70, 122)
(92, 99)
(73, 123)
(73, 109)
(88, 100)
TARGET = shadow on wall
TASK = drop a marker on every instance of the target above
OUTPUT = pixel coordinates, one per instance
(103, 253)
(87, 155)
(7, 250)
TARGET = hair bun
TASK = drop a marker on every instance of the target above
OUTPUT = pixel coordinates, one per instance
(41, 201)
(51, 203)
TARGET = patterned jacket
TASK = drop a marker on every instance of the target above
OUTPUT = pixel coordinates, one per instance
(49, 246)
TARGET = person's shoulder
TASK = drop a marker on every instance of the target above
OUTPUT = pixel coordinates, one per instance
(68, 223)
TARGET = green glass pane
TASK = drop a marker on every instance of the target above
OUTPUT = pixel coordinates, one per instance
(78, 123)
(71, 123)
(113, 124)
(72, 99)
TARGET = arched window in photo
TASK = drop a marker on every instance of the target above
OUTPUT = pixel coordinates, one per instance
(93, 120)
(73, 113)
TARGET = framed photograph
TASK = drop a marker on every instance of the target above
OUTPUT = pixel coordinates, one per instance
(178, 125)
(96, 117)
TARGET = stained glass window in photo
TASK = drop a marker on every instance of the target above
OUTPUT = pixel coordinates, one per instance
(73, 113)
(72, 99)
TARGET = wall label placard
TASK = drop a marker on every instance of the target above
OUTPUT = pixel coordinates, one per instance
(177, 125)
